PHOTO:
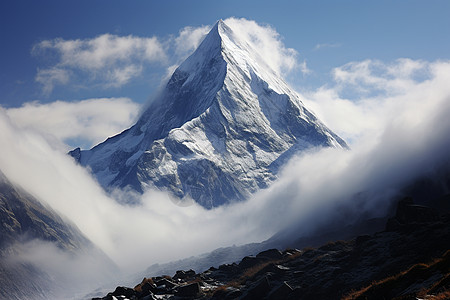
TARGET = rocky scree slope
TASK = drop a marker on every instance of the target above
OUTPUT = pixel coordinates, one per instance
(218, 132)
(408, 259)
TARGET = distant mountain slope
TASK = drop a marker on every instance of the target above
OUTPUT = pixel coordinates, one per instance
(218, 132)
(26, 225)
(23, 217)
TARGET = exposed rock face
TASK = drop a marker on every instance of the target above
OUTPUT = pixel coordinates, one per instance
(409, 213)
(22, 216)
(24, 219)
(218, 132)
(333, 270)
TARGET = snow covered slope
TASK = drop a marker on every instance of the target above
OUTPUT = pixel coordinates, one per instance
(218, 132)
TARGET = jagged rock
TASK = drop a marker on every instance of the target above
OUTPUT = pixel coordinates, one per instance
(250, 261)
(258, 291)
(281, 292)
(180, 275)
(227, 293)
(148, 297)
(184, 274)
(410, 213)
(165, 284)
(271, 254)
(328, 272)
(229, 268)
(189, 290)
(124, 291)
(147, 289)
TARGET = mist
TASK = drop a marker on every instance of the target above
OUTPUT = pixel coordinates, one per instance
(396, 135)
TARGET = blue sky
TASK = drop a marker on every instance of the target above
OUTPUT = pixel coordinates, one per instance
(326, 35)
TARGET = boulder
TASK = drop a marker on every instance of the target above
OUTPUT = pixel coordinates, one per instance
(258, 291)
(182, 275)
(250, 261)
(124, 291)
(189, 290)
(147, 289)
(271, 254)
(165, 282)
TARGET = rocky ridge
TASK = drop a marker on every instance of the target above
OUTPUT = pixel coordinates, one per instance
(354, 269)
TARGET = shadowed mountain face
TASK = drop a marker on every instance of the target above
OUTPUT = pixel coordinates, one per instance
(23, 218)
(30, 233)
(219, 131)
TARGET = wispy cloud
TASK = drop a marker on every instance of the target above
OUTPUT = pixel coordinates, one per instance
(88, 121)
(372, 76)
(304, 68)
(112, 61)
(107, 59)
(48, 78)
(189, 38)
(368, 94)
(400, 147)
(267, 42)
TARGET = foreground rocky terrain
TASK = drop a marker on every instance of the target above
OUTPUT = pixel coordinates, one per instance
(410, 259)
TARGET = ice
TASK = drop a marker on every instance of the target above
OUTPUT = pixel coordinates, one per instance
(218, 132)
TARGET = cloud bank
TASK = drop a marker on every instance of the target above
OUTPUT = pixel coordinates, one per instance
(408, 139)
(88, 121)
(107, 59)
(267, 42)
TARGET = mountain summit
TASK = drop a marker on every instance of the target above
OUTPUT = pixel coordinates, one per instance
(218, 132)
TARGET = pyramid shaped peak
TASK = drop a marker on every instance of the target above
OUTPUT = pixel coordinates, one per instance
(224, 113)
(210, 47)
(220, 24)
(218, 30)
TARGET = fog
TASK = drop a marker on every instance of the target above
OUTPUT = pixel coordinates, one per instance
(398, 128)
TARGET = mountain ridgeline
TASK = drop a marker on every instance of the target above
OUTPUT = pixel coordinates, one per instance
(219, 131)
(27, 227)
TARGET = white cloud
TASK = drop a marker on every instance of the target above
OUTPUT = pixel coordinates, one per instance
(70, 274)
(267, 42)
(189, 38)
(121, 76)
(371, 76)
(396, 139)
(304, 68)
(90, 121)
(51, 77)
(409, 142)
(377, 94)
(107, 59)
(98, 52)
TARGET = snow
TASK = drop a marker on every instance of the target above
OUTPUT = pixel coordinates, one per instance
(222, 127)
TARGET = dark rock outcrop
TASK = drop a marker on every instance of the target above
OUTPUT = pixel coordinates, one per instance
(335, 269)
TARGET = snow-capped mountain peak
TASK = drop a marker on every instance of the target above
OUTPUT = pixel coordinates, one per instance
(218, 132)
